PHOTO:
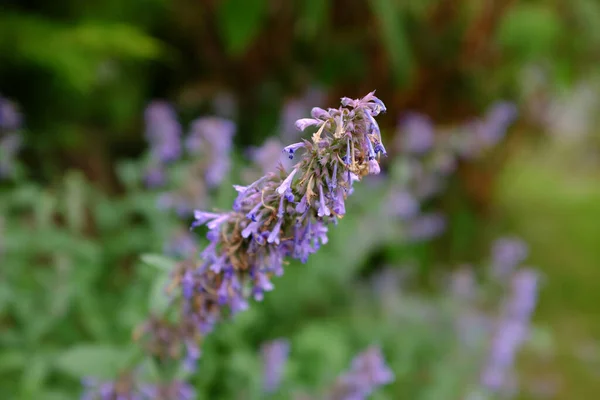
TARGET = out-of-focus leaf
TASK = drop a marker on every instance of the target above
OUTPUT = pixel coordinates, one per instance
(159, 262)
(313, 16)
(75, 197)
(33, 377)
(12, 360)
(97, 360)
(394, 37)
(159, 299)
(240, 22)
(530, 31)
(74, 54)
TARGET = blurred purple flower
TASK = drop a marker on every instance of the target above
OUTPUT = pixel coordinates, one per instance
(512, 331)
(212, 138)
(124, 388)
(295, 109)
(507, 254)
(155, 175)
(524, 294)
(274, 356)
(368, 371)
(493, 128)
(163, 132)
(270, 155)
(10, 117)
(402, 204)
(175, 390)
(181, 245)
(416, 134)
(426, 226)
(10, 140)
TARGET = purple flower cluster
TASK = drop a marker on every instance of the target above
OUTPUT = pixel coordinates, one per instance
(507, 254)
(211, 138)
(279, 215)
(163, 132)
(126, 388)
(429, 157)
(274, 356)
(513, 325)
(367, 372)
(10, 139)
(209, 145)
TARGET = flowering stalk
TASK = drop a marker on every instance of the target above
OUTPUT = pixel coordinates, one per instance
(280, 215)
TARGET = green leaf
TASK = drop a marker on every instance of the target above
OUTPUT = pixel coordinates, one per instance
(240, 22)
(394, 38)
(159, 262)
(313, 15)
(101, 361)
(33, 377)
(159, 300)
(539, 24)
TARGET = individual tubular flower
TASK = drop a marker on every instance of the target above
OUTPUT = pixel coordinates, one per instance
(368, 371)
(280, 215)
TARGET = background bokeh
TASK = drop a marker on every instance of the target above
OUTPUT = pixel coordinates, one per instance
(78, 208)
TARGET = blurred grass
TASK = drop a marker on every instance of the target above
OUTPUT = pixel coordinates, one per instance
(546, 197)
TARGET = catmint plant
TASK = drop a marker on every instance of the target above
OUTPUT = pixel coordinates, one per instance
(280, 215)
(283, 214)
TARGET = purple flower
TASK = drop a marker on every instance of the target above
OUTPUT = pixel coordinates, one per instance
(274, 356)
(269, 156)
(10, 118)
(286, 184)
(304, 123)
(368, 371)
(417, 133)
(507, 254)
(247, 245)
(402, 204)
(292, 148)
(163, 132)
(493, 127)
(524, 294)
(212, 138)
(124, 388)
(426, 226)
(323, 209)
(155, 175)
(297, 108)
